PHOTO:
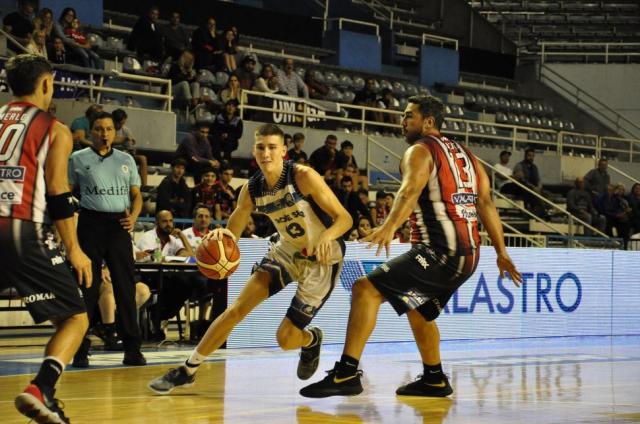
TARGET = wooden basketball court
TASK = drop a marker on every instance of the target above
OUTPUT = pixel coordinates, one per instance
(566, 380)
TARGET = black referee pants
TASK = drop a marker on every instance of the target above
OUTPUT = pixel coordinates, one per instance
(101, 238)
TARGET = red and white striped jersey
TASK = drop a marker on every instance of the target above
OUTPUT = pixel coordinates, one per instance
(445, 217)
(25, 138)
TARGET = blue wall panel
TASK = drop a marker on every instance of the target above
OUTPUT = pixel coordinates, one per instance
(439, 65)
(359, 51)
(89, 12)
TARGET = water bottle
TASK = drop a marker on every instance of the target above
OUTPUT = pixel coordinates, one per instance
(157, 253)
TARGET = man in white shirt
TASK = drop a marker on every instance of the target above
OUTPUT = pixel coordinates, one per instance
(201, 223)
(503, 168)
(170, 240)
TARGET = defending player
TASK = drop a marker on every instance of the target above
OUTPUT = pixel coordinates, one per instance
(443, 190)
(310, 221)
(34, 150)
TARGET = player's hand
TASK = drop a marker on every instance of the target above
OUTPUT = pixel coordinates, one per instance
(381, 236)
(128, 221)
(505, 265)
(218, 233)
(321, 248)
(82, 264)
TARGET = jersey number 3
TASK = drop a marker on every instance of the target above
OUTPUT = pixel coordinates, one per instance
(9, 138)
(295, 230)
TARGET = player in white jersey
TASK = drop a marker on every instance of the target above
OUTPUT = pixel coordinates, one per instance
(310, 222)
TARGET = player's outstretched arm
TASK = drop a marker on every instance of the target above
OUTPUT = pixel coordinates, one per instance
(491, 222)
(238, 219)
(312, 184)
(59, 200)
(416, 165)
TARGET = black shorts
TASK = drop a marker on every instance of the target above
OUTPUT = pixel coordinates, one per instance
(31, 261)
(422, 279)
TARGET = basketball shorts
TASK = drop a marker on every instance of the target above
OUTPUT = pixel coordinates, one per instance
(32, 262)
(285, 264)
(422, 279)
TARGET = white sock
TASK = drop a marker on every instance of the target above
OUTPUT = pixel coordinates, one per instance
(194, 361)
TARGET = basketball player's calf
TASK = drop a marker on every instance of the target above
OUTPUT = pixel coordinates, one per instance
(294, 332)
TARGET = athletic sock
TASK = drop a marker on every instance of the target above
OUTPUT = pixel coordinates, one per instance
(49, 373)
(314, 339)
(432, 372)
(194, 362)
(347, 366)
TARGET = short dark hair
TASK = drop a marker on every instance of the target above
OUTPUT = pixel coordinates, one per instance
(24, 71)
(178, 162)
(529, 149)
(269, 129)
(98, 116)
(346, 179)
(298, 136)
(199, 206)
(331, 137)
(430, 106)
(380, 194)
(345, 144)
(92, 110)
(603, 160)
(363, 191)
(119, 115)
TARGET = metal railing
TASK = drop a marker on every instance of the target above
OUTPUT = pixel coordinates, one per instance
(624, 174)
(516, 240)
(439, 39)
(589, 103)
(586, 49)
(353, 21)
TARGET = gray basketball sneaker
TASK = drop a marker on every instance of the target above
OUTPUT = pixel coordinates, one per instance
(175, 377)
(310, 356)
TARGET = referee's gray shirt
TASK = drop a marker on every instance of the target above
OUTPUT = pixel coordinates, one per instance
(104, 181)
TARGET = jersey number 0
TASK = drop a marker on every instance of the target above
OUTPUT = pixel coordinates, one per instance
(9, 138)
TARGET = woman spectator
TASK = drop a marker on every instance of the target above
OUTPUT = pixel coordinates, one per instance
(229, 48)
(80, 39)
(262, 82)
(37, 44)
(71, 47)
(232, 91)
(206, 47)
(184, 83)
(634, 202)
(364, 227)
(46, 17)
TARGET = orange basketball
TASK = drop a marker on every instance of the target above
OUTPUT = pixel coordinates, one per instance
(218, 259)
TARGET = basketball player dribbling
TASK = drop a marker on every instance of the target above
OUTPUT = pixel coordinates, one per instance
(310, 222)
(444, 191)
(34, 151)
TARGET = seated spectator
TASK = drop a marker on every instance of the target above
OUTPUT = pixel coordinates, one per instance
(364, 227)
(195, 149)
(379, 211)
(290, 82)
(323, 158)
(296, 154)
(352, 235)
(597, 180)
(250, 229)
(74, 32)
(184, 82)
(531, 202)
(579, 203)
(206, 193)
(125, 141)
(225, 195)
(350, 199)
(75, 54)
(57, 53)
(201, 226)
(389, 199)
(173, 193)
(229, 49)
(37, 44)
(618, 213)
(262, 82)
(317, 90)
(227, 129)
(359, 181)
(146, 38)
(634, 202)
(503, 168)
(46, 19)
(19, 24)
(80, 127)
(232, 91)
(366, 97)
(206, 47)
(176, 37)
(345, 156)
(389, 102)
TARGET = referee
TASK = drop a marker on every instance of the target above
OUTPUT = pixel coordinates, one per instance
(110, 202)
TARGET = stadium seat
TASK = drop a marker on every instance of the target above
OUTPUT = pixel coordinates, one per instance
(221, 78)
(399, 89)
(385, 84)
(130, 63)
(348, 96)
(411, 89)
(95, 40)
(358, 83)
(319, 76)
(469, 99)
(206, 78)
(330, 78)
(503, 104)
(333, 95)
(114, 43)
(345, 81)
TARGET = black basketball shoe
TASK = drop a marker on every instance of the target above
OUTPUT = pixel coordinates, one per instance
(175, 377)
(310, 356)
(334, 385)
(38, 406)
(81, 358)
(438, 387)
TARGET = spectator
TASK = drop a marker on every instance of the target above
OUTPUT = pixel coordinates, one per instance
(206, 47)
(73, 32)
(19, 24)
(206, 192)
(229, 48)
(173, 193)
(388, 102)
(389, 198)
(352, 235)
(196, 150)
(57, 52)
(80, 127)
(634, 202)
(184, 83)
(317, 90)
(296, 154)
(290, 82)
(597, 180)
(529, 170)
(531, 202)
(37, 44)
(351, 199)
(503, 169)
(46, 19)
(618, 213)
(232, 91)
(146, 38)
(125, 141)
(367, 97)
(75, 54)
(176, 37)
(345, 156)
(379, 211)
(225, 195)
(227, 129)
(250, 230)
(579, 203)
(262, 82)
(364, 227)
(246, 74)
(201, 226)
(323, 158)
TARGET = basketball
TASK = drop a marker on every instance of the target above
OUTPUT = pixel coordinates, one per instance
(218, 259)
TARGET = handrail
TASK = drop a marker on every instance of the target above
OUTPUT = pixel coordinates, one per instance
(14, 40)
(624, 174)
(439, 38)
(593, 110)
(355, 21)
